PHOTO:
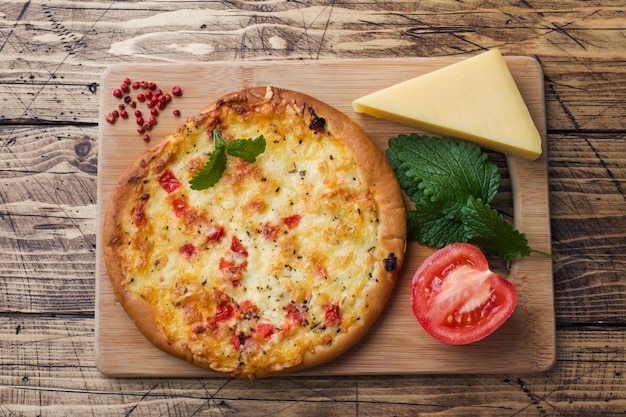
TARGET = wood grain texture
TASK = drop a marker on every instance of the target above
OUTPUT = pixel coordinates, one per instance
(47, 212)
(524, 344)
(50, 361)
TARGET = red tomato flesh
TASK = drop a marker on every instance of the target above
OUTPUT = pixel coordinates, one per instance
(456, 297)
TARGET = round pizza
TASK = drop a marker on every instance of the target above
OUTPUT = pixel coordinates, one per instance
(262, 236)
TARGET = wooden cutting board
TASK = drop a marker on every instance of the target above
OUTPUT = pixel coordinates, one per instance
(396, 344)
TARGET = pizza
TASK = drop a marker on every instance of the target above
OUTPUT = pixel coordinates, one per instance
(284, 263)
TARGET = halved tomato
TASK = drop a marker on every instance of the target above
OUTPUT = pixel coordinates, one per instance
(456, 297)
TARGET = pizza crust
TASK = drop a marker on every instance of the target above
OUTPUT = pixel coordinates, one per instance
(375, 173)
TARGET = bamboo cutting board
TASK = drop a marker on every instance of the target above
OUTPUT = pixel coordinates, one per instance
(396, 344)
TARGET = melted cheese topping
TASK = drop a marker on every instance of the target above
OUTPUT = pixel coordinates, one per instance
(267, 264)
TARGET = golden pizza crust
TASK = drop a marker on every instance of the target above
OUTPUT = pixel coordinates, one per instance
(375, 172)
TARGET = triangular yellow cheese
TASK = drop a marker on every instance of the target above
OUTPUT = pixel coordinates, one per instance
(475, 99)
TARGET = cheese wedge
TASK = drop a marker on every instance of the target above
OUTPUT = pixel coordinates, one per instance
(475, 99)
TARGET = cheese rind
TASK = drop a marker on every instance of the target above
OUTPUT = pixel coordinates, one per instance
(476, 99)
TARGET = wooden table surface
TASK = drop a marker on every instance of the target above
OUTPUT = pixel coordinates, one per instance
(53, 54)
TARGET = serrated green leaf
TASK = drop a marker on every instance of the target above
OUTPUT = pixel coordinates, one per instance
(452, 184)
(211, 172)
(430, 228)
(247, 149)
(450, 170)
(491, 232)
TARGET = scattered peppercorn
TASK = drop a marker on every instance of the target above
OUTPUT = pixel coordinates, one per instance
(153, 97)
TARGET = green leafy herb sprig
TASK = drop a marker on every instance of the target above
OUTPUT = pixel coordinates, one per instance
(211, 172)
(452, 184)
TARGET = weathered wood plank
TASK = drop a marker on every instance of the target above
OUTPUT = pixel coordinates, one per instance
(588, 204)
(54, 53)
(50, 361)
(47, 219)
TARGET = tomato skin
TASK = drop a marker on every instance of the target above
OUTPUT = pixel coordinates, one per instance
(456, 297)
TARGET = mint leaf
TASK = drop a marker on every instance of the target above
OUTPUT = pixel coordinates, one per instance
(486, 228)
(451, 184)
(428, 227)
(448, 170)
(247, 149)
(211, 172)
(394, 151)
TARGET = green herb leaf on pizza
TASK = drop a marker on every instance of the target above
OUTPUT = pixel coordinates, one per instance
(211, 172)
